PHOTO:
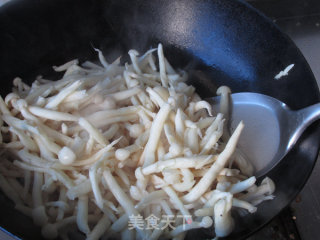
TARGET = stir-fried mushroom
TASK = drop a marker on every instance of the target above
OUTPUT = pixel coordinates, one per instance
(108, 148)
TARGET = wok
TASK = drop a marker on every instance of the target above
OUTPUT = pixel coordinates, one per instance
(219, 42)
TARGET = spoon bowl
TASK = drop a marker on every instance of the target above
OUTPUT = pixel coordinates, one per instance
(226, 41)
(271, 127)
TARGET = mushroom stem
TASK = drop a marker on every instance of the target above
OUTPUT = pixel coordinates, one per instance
(155, 132)
(223, 221)
(100, 228)
(82, 214)
(205, 182)
(225, 92)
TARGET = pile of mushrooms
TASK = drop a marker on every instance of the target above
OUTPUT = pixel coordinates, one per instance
(107, 143)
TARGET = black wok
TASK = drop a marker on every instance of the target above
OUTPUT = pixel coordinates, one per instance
(219, 42)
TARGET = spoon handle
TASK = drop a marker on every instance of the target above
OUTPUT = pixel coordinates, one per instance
(304, 117)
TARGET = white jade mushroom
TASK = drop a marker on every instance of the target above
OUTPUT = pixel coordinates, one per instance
(66, 156)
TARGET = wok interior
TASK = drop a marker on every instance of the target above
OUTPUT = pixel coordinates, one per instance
(219, 42)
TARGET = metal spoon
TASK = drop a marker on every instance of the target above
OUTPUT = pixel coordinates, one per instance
(271, 128)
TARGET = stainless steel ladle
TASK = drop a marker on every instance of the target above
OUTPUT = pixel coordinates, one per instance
(271, 128)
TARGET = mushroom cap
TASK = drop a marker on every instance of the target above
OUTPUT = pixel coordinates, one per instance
(223, 90)
(133, 52)
(206, 222)
(270, 186)
(122, 154)
(66, 156)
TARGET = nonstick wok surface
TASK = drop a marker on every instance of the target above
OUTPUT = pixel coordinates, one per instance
(220, 42)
